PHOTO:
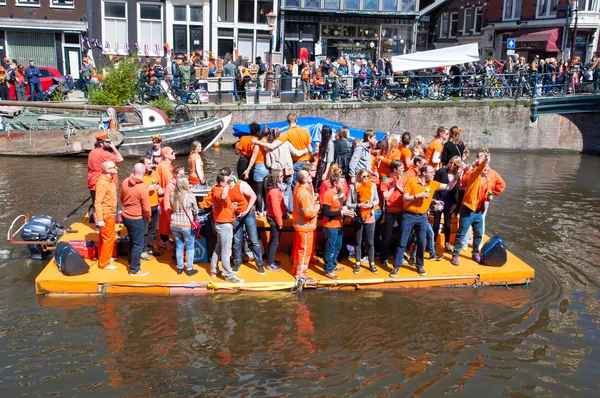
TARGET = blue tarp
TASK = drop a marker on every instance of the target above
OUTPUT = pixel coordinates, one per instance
(312, 124)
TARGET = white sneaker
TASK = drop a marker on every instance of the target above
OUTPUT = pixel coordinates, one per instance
(109, 267)
(139, 273)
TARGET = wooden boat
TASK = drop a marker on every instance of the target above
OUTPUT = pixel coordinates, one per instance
(43, 134)
(178, 136)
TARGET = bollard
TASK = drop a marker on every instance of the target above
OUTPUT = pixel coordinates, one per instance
(220, 95)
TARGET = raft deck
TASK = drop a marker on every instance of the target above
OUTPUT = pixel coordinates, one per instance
(163, 279)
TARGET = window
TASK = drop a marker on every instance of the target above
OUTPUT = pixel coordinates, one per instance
(591, 5)
(179, 13)
(478, 23)
(292, 3)
(115, 23)
(444, 25)
(195, 14)
(44, 73)
(246, 11)
(467, 21)
(453, 24)
(245, 42)
(546, 8)
(150, 32)
(371, 4)
(264, 7)
(351, 4)
(332, 4)
(62, 3)
(225, 12)
(408, 5)
(312, 3)
(512, 9)
(30, 3)
(390, 5)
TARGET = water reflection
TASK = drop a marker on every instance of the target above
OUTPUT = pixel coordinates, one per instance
(540, 340)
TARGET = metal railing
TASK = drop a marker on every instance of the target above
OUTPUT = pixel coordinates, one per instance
(410, 87)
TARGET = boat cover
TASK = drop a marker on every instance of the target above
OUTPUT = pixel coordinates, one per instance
(29, 120)
(312, 124)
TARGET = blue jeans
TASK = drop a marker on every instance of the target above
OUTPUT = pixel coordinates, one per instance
(249, 221)
(333, 244)
(33, 87)
(469, 218)
(183, 236)
(410, 221)
(135, 230)
(288, 194)
(222, 249)
(297, 167)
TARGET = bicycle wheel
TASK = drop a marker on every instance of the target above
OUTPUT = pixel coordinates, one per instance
(494, 91)
(433, 91)
(412, 91)
(193, 98)
(365, 93)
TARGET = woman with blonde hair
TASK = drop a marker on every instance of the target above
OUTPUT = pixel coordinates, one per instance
(390, 153)
(418, 146)
(184, 211)
(196, 164)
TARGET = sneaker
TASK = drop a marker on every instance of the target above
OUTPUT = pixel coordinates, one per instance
(213, 274)
(277, 262)
(179, 271)
(435, 257)
(331, 275)
(476, 258)
(155, 253)
(373, 269)
(454, 260)
(339, 269)
(139, 273)
(234, 279)
(394, 272)
(365, 260)
(273, 267)
(356, 268)
(421, 271)
(109, 267)
(448, 248)
(404, 261)
(145, 256)
(165, 245)
(191, 272)
(411, 261)
(385, 264)
(261, 270)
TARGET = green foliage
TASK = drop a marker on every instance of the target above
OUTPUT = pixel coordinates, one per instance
(164, 105)
(511, 105)
(487, 132)
(57, 95)
(322, 106)
(527, 104)
(493, 106)
(118, 86)
(455, 99)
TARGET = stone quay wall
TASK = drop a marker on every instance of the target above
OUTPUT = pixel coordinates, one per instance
(498, 124)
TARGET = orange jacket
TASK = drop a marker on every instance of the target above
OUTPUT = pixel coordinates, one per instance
(276, 205)
(135, 199)
(479, 184)
(106, 197)
(304, 211)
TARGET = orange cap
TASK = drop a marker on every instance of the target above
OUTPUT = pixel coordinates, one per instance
(103, 135)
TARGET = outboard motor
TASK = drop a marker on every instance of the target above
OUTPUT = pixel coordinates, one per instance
(41, 229)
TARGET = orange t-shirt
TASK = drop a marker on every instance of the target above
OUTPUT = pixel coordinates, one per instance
(434, 146)
(395, 203)
(245, 146)
(96, 157)
(223, 209)
(151, 179)
(405, 155)
(332, 199)
(412, 172)
(421, 205)
(260, 158)
(236, 195)
(300, 138)
(384, 166)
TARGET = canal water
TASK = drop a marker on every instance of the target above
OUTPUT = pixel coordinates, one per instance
(538, 340)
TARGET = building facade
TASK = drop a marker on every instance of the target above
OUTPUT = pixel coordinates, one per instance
(47, 31)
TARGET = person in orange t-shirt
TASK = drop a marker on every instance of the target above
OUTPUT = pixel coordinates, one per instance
(104, 150)
(244, 148)
(105, 205)
(413, 171)
(436, 147)
(305, 211)
(392, 190)
(389, 154)
(164, 172)
(333, 213)
(417, 197)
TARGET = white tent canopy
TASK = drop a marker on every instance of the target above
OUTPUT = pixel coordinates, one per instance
(435, 58)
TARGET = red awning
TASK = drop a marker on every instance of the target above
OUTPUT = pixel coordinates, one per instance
(538, 40)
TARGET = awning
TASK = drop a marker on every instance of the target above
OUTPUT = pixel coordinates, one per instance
(43, 24)
(434, 58)
(538, 40)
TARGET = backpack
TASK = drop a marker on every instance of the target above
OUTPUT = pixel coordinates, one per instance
(69, 261)
(342, 154)
(493, 253)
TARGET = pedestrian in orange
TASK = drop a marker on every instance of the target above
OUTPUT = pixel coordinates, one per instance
(105, 205)
(305, 211)
(164, 172)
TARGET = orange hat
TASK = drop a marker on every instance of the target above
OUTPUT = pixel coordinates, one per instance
(166, 150)
(103, 135)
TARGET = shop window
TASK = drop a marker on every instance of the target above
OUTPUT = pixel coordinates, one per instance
(179, 13)
(478, 23)
(246, 11)
(371, 4)
(150, 27)
(225, 11)
(262, 44)
(351, 4)
(72, 38)
(225, 47)
(512, 9)
(264, 7)
(332, 4)
(453, 24)
(312, 3)
(390, 5)
(546, 8)
(292, 31)
(115, 22)
(180, 44)
(443, 25)
(195, 14)
(467, 21)
(245, 43)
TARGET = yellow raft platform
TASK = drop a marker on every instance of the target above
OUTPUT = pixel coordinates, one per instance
(163, 279)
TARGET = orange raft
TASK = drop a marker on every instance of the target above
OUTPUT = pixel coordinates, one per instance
(163, 279)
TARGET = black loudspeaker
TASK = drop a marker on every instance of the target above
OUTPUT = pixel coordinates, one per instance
(69, 261)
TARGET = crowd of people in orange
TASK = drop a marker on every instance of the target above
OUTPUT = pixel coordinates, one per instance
(387, 188)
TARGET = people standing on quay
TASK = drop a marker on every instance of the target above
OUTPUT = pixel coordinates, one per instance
(185, 210)
(33, 79)
(136, 207)
(105, 205)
